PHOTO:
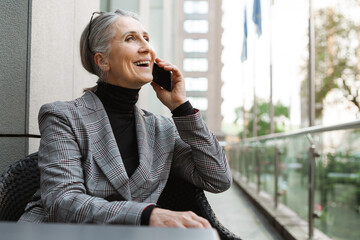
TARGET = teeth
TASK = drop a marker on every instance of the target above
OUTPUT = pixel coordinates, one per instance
(142, 62)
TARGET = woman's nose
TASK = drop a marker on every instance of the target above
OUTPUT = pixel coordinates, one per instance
(145, 46)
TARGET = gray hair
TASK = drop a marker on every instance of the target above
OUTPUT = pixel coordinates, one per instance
(101, 33)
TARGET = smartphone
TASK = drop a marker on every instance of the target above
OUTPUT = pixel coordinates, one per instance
(162, 77)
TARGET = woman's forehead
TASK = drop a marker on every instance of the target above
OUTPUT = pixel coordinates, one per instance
(129, 24)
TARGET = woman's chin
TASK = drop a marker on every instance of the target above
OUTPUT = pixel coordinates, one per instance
(147, 79)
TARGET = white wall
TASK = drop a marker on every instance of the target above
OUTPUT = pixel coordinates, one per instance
(56, 72)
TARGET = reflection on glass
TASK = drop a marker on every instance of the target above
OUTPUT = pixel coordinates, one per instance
(195, 64)
(252, 164)
(196, 84)
(200, 7)
(337, 196)
(337, 176)
(196, 26)
(293, 175)
(200, 103)
(266, 164)
(196, 45)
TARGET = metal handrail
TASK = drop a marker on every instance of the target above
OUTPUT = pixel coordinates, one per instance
(308, 130)
(312, 155)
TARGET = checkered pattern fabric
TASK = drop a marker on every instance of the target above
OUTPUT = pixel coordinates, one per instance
(80, 163)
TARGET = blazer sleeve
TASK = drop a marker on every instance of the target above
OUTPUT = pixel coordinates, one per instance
(63, 192)
(198, 156)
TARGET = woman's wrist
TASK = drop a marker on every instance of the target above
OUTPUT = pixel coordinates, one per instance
(175, 105)
(183, 110)
(145, 216)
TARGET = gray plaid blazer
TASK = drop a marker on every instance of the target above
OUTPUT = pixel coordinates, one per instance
(80, 163)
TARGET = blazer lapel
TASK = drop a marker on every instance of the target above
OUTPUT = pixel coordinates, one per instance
(145, 131)
(103, 144)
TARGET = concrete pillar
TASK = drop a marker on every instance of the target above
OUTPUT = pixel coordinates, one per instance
(14, 79)
(39, 63)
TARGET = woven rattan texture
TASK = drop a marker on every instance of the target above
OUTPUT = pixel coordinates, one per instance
(18, 184)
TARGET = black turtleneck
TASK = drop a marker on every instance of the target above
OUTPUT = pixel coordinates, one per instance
(119, 105)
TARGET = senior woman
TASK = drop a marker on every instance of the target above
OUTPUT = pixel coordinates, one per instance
(104, 160)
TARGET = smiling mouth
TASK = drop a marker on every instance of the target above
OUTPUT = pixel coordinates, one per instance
(142, 63)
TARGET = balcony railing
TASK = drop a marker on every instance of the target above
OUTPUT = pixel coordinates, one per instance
(315, 172)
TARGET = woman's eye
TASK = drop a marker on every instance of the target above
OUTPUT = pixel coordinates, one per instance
(129, 38)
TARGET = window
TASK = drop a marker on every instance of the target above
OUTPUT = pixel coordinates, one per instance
(196, 84)
(196, 45)
(200, 103)
(195, 64)
(196, 26)
(200, 7)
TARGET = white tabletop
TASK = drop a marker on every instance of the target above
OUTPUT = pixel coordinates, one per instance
(51, 231)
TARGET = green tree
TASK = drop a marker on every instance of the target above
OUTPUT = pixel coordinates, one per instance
(336, 58)
(281, 115)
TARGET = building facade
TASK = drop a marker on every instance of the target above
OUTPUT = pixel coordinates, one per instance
(199, 35)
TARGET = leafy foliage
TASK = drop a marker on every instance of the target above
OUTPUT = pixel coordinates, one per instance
(281, 115)
(336, 58)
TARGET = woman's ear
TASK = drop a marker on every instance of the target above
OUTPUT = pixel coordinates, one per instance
(101, 61)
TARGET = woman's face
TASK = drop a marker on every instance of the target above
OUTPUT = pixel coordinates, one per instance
(131, 57)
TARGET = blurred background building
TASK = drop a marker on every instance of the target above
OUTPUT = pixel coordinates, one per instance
(200, 57)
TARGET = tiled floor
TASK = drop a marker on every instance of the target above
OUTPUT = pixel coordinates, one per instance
(235, 212)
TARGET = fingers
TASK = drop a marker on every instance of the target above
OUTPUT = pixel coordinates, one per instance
(177, 95)
(167, 218)
(191, 220)
(156, 87)
(160, 62)
(204, 223)
(168, 66)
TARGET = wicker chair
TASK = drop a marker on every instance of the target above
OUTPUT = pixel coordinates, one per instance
(21, 180)
(17, 186)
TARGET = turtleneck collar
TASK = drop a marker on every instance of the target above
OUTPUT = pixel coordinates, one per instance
(116, 98)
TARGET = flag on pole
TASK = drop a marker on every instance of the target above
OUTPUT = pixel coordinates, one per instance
(244, 47)
(257, 16)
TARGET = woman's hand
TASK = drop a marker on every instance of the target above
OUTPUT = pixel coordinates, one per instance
(167, 218)
(177, 96)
